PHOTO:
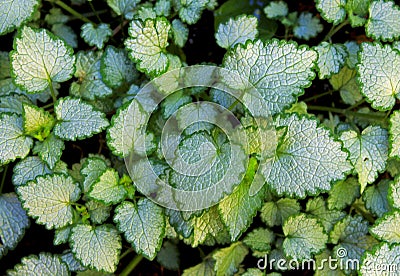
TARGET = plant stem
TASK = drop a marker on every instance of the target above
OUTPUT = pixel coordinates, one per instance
(129, 250)
(73, 12)
(319, 96)
(356, 104)
(3, 179)
(377, 117)
(131, 266)
(53, 94)
(334, 30)
(94, 10)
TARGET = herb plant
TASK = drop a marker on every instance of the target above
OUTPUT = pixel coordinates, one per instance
(317, 86)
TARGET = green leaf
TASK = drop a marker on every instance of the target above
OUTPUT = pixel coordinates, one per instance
(259, 239)
(228, 259)
(44, 264)
(368, 152)
(106, 188)
(278, 62)
(143, 225)
(237, 30)
(352, 48)
(316, 208)
(276, 9)
(332, 11)
(147, 43)
(180, 32)
(39, 58)
(181, 226)
(96, 247)
(190, 10)
(127, 127)
(98, 211)
(168, 256)
(124, 7)
(28, 169)
(350, 235)
(92, 169)
(173, 102)
(116, 68)
(394, 193)
(382, 260)
(37, 121)
(13, 222)
(72, 263)
(376, 198)
(343, 193)
(61, 235)
(90, 83)
(50, 150)
(304, 237)
(162, 7)
(307, 26)
(386, 228)
(239, 208)
(14, 13)
(331, 58)
(67, 33)
(324, 268)
(205, 268)
(394, 134)
(346, 83)
(56, 16)
(12, 103)
(13, 143)
(96, 35)
(314, 152)
(48, 198)
(379, 75)
(77, 119)
(274, 213)
(382, 23)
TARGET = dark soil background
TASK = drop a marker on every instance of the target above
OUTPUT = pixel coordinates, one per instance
(201, 48)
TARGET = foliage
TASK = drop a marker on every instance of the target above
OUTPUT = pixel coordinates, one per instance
(301, 176)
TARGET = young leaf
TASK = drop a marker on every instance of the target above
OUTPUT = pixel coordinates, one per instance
(96, 35)
(343, 193)
(77, 119)
(123, 133)
(259, 239)
(37, 121)
(205, 268)
(28, 169)
(56, 16)
(376, 198)
(98, 211)
(106, 188)
(168, 256)
(275, 213)
(61, 235)
(190, 10)
(382, 22)
(90, 84)
(50, 150)
(92, 169)
(180, 225)
(39, 58)
(386, 228)
(368, 152)
(13, 222)
(331, 58)
(67, 33)
(147, 43)
(145, 218)
(346, 83)
(276, 9)
(316, 208)
(180, 32)
(48, 198)
(314, 151)
(382, 256)
(352, 48)
(284, 70)
(379, 75)
(124, 7)
(304, 237)
(332, 11)
(236, 31)
(227, 260)
(14, 13)
(307, 26)
(96, 247)
(13, 142)
(116, 68)
(207, 226)
(394, 134)
(394, 193)
(44, 264)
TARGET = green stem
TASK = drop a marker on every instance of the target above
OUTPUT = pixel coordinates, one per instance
(94, 10)
(72, 11)
(318, 96)
(377, 117)
(368, 216)
(128, 251)
(53, 93)
(334, 30)
(3, 179)
(356, 104)
(131, 266)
